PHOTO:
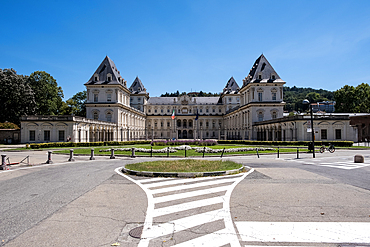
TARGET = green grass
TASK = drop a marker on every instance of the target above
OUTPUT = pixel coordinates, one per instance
(184, 166)
(179, 153)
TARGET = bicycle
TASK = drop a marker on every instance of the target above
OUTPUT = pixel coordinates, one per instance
(331, 148)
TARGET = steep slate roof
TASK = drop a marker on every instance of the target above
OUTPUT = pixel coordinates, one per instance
(231, 87)
(261, 67)
(106, 67)
(170, 100)
(137, 87)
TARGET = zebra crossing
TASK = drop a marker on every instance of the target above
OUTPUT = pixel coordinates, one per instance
(343, 164)
(189, 211)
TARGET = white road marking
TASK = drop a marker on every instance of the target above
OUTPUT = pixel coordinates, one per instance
(191, 186)
(149, 180)
(186, 206)
(219, 238)
(298, 232)
(186, 223)
(180, 181)
(189, 194)
(346, 165)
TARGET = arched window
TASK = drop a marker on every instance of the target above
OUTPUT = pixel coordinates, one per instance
(109, 117)
(96, 115)
(260, 116)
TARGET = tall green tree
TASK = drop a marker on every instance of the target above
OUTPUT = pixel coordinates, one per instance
(48, 95)
(353, 99)
(17, 97)
(75, 105)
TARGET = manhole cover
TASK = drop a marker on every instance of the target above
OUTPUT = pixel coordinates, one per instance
(136, 232)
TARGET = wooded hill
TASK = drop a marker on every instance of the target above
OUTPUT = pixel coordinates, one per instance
(293, 96)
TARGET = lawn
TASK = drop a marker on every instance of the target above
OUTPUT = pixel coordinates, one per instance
(184, 166)
(179, 153)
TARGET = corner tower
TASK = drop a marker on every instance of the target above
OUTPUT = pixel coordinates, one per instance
(138, 96)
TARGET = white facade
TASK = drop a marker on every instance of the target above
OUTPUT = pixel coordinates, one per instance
(115, 112)
(326, 126)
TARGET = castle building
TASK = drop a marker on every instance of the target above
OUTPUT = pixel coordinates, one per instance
(116, 112)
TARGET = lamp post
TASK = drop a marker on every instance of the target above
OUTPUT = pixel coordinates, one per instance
(152, 133)
(305, 102)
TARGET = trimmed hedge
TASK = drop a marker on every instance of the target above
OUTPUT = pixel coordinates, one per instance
(84, 144)
(287, 143)
(184, 142)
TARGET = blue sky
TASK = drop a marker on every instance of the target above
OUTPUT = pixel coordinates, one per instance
(188, 45)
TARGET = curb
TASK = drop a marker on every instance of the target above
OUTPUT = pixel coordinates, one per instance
(181, 174)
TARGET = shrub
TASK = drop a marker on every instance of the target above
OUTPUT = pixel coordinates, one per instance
(84, 144)
(287, 143)
(184, 142)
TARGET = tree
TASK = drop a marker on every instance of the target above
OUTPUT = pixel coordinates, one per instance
(75, 105)
(48, 95)
(16, 96)
(293, 96)
(353, 99)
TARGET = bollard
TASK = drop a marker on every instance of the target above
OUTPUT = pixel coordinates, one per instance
(185, 152)
(92, 154)
(71, 158)
(204, 150)
(151, 151)
(112, 153)
(359, 158)
(132, 152)
(257, 153)
(278, 153)
(297, 153)
(3, 162)
(49, 161)
(222, 152)
(168, 152)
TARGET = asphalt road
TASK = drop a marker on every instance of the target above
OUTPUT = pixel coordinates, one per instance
(87, 203)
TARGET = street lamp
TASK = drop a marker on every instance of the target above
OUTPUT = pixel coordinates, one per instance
(305, 102)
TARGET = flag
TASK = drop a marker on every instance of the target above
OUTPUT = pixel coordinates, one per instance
(197, 116)
(173, 114)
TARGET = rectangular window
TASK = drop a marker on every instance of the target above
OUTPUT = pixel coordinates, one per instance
(324, 134)
(168, 124)
(95, 97)
(259, 96)
(273, 96)
(338, 134)
(61, 135)
(109, 97)
(32, 135)
(46, 135)
(260, 117)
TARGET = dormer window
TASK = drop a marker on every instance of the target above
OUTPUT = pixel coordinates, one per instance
(109, 77)
(273, 77)
(96, 77)
(260, 77)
